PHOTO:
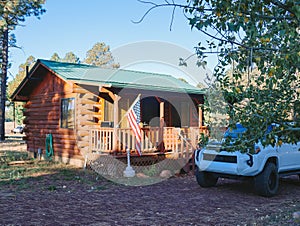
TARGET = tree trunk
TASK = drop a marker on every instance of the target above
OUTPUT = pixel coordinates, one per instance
(3, 81)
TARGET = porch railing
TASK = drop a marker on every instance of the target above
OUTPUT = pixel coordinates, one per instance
(181, 141)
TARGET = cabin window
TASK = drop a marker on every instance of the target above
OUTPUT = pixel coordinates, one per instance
(67, 113)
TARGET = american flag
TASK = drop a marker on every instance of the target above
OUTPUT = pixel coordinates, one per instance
(133, 116)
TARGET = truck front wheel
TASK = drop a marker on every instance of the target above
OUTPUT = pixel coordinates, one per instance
(206, 179)
(267, 182)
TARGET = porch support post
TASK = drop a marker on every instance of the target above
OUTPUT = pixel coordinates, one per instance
(200, 115)
(116, 122)
(161, 113)
(161, 126)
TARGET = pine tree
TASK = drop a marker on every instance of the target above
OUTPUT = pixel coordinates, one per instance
(100, 55)
(12, 14)
(55, 57)
(70, 57)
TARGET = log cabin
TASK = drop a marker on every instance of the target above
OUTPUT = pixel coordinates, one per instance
(83, 107)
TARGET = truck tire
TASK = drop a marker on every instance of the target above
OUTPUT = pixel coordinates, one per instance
(267, 182)
(205, 179)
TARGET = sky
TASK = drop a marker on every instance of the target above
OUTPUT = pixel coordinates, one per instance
(76, 25)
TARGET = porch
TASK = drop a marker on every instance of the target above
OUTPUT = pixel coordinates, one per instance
(173, 142)
(171, 124)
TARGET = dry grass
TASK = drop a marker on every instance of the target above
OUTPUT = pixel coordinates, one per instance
(44, 177)
(30, 174)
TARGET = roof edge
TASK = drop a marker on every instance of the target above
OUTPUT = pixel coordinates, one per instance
(25, 80)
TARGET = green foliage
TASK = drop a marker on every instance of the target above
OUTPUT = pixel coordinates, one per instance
(14, 12)
(203, 140)
(70, 57)
(151, 171)
(33, 176)
(259, 40)
(55, 57)
(9, 156)
(100, 55)
(13, 84)
(18, 109)
(19, 113)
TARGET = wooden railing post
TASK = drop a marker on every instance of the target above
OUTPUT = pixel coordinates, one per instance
(161, 127)
(200, 115)
(116, 122)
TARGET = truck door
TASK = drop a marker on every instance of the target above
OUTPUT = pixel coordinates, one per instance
(289, 156)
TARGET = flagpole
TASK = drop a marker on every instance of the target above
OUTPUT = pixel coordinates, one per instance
(129, 171)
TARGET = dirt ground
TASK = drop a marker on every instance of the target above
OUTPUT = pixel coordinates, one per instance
(85, 198)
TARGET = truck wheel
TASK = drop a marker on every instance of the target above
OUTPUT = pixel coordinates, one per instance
(205, 179)
(267, 182)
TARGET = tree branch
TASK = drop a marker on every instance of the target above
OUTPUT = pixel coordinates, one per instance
(167, 4)
(285, 7)
(172, 18)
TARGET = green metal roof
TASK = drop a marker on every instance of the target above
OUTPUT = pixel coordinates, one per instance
(119, 78)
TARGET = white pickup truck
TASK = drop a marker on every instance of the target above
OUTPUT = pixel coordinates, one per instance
(265, 166)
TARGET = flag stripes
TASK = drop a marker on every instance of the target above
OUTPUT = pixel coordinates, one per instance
(133, 116)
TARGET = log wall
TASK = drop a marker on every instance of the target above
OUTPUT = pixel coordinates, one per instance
(42, 113)
(89, 114)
